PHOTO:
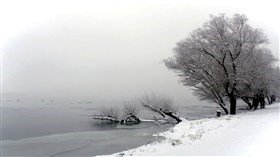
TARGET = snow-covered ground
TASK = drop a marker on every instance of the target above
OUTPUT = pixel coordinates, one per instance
(253, 133)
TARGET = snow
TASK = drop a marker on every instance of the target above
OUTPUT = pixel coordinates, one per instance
(253, 133)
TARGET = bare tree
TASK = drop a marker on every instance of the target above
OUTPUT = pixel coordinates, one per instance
(208, 59)
(131, 107)
(129, 113)
(108, 113)
(162, 105)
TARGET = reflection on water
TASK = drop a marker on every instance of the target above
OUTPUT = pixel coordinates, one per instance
(104, 125)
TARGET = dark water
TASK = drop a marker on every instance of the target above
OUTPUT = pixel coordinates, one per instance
(18, 123)
(67, 132)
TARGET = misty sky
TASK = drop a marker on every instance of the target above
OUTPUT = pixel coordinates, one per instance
(107, 49)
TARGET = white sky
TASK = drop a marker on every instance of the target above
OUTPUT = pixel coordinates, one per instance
(107, 49)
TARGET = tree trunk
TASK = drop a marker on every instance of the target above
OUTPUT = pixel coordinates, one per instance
(268, 99)
(170, 114)
(247, 101)
(232, 101)
(256, 102)
(222, 105)
(262, 101)
(273, 98)
(224, 108)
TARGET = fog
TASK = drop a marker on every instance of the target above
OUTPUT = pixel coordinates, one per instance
(111, 50)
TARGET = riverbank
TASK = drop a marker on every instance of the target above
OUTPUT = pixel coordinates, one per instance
(253, 133)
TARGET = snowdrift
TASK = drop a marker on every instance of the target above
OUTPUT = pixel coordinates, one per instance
(253, 133)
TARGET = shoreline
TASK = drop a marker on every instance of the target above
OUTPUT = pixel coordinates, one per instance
(247, 133)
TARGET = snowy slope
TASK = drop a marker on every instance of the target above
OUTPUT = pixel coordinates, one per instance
(253, 133)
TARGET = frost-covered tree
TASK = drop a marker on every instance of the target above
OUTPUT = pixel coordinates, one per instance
(162, 105)
(131, 107)
(274, 88)
(258, 78)
(108, 113)
(113, 113)
(209, 59)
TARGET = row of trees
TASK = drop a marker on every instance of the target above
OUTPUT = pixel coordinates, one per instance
(226, 59)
